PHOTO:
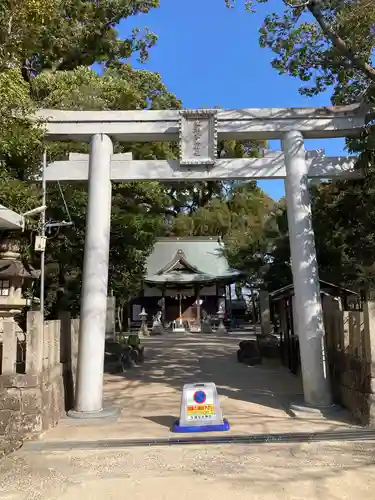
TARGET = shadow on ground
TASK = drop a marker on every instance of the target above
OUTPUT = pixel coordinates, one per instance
(171, 362)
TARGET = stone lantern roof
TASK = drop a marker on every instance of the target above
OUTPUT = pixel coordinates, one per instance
(11, 265)
(15, 268)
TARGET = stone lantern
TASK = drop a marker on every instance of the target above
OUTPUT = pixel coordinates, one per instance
(13, 275)
(221, 315)
(143, 331)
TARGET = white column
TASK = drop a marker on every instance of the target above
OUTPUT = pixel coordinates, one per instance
(89, 393)
(309, 320)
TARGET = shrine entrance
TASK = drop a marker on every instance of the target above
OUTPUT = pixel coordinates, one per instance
(198, 132)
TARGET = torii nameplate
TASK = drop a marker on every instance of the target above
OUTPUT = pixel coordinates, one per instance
(198, 137)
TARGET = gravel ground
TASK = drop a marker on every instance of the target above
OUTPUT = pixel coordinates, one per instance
(272, 471)
(254, 399)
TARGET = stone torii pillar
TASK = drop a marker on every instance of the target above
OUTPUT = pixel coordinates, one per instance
(309, 320)
(90, 367)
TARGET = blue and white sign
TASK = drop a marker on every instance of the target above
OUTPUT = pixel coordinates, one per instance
(200, 409)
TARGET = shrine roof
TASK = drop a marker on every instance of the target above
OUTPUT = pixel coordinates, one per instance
(189, 260)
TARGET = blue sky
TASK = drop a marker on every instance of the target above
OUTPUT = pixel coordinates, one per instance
(209, 55)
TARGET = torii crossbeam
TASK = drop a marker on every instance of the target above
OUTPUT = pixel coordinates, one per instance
(271, 166)
(239, 124)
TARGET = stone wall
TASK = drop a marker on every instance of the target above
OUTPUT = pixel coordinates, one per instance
(35, 391)
(350, 339)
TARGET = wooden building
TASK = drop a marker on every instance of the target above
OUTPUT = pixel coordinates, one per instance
(283, 309)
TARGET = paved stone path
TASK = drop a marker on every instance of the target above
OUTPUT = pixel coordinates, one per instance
(255, 401)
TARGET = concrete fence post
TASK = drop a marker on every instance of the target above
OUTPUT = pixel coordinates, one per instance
(74, 348)
(369, 350)
(65, 336)
(50, 331)
(265, 313)
(9, 347)
(45, 345)
(34, 343)
(56, 342)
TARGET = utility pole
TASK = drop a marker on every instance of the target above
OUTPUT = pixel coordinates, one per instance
(43, 237)
(40, 240)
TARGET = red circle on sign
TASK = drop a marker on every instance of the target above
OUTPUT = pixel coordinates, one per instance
(200, 397)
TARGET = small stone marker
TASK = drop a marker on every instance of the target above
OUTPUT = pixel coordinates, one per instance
(200, 410)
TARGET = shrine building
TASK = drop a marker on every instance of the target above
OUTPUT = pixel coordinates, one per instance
(186, 278)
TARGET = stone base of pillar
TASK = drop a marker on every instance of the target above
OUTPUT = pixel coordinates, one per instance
(105, 413)
(206, 327)
(143, 332)
(305, 411)
(221, 329)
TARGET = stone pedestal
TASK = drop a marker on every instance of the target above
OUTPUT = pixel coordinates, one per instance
(178, 328)
(143, 331)
(206, 325)
(157, 329)
(157, 326)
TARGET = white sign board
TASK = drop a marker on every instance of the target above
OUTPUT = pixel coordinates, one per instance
(200, 409)
(198, 137)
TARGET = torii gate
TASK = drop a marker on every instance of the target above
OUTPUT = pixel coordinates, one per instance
(198, 132)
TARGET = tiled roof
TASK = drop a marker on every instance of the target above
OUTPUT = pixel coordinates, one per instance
(198, 259)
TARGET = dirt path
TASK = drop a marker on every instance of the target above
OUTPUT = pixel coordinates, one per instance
(272, 471)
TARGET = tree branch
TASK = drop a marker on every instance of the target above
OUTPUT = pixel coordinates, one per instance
(339, 43)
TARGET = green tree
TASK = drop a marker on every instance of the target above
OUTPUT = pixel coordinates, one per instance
(330, 44)
(63, 34)
(45, 50)
(188, 197)
(242, 219)
(20, 142)
(324, 43)
(138, 208)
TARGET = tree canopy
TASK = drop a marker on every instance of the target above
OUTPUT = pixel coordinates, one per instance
(46, 55)
(46, 50)
(138, 208)
(64, 34)
(45, 64)
(324, 43)
(330, 45)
